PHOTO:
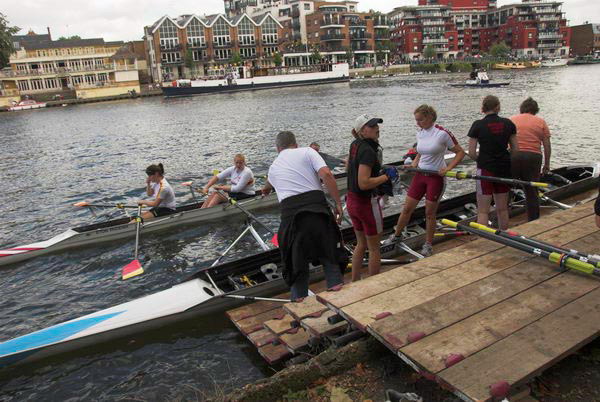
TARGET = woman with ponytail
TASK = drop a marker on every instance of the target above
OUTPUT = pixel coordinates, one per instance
(159, 188)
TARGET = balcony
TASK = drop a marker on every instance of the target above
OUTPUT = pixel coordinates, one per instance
(250, 43)
(222, 44)
(549, 45)
(334, 36)
(361, 47)
(332, 22)
(201, 45)
(361, 36)
(549, 18)
(434, 40)
(170, 48)
(549, 35)
(172, 62)
(382, 36)
(381, 23)
(333, 49)
(61, 71)
(357, 23)
(433, 22)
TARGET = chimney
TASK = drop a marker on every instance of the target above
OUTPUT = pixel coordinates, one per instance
(49, 36)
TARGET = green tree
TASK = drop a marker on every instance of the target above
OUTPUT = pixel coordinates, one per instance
(70, 37)
(500, 50)
(236, 59)
(188, 60)
(350, 56)
(278, 59)
(316, 56)
(6, 43)
(429, 52)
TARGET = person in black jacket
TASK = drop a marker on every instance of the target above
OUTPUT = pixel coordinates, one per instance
(308, 231)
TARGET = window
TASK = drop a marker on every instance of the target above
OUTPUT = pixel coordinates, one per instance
(37, 84)
(271, 50)
(168, 35)
(171, 57)
(198, 55)
(248, 52)
(103, 77)
(307, 6)
(246, 32)
(530, 35)
(23, 85)
(222, 54)
(221, 33)
(77, 79)
(269, 32)
(195, 34)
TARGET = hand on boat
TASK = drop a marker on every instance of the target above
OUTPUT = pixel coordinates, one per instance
(265, 191)
(545, 170)
(442, 172)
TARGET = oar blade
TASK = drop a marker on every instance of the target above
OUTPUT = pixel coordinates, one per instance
(134, 268)
(275, 240)
(81, 204)
(187, 183)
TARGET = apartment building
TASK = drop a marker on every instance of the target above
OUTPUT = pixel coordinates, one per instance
(532, 28)
(85, 68)
(192, 46)
(340, 33)
(585, 39)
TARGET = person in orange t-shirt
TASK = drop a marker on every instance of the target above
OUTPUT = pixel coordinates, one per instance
(532, 134)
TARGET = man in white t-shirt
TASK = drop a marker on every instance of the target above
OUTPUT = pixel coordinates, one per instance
(308, 231)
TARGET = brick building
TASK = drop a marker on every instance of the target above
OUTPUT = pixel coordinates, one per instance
(458, 28)
(190, 45)
(585, 39)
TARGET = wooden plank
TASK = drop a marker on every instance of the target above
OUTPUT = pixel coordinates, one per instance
(255, 323)
(449, 308)
(489, 326)
(310, 306)
(319, 327)
(355, 292)
(428, 288)
(261, 338)
(274, 353)
(529, 350)
(251, 310)
(279, 325)
(295, 340)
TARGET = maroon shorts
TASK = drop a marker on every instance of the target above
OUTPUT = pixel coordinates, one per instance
(485, 187)
(428, 185)
(365, 213)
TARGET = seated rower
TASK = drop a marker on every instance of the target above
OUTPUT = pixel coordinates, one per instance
(159, 188)
(242, 183)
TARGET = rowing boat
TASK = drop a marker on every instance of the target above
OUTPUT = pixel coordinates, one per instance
(254, 275)
(118, 229)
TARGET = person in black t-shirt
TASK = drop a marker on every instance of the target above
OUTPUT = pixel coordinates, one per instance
(493, 134)
(364, 166)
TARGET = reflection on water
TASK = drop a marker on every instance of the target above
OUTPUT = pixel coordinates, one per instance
(52, 158)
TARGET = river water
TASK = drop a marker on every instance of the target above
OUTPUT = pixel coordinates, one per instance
(51, 158)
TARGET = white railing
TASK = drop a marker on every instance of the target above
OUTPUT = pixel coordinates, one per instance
(549, 35)
(57, 71)
(549, 45)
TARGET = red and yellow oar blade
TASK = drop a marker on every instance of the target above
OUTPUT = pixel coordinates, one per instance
(275, 240)
(134, 268)
(187, 183)
(81, 204)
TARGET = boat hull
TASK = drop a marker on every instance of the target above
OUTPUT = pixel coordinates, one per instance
(193, 91)
(492, 85)
(193, 297)
(81, 237)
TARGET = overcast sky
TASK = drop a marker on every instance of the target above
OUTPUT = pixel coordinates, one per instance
(125, 19)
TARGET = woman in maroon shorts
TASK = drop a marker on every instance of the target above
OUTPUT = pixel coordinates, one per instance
(364, 175)
(432, 142)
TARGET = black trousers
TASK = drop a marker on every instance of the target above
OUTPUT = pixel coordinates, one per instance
(527, 166)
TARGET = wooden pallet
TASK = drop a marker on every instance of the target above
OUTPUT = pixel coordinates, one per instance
(482, 315)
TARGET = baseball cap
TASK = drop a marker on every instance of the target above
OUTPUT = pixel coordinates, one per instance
(365, 119)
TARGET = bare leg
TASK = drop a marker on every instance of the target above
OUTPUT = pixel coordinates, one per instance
(483, 209)
(501, 201)
(214, 199)
(358, 255)
(374, 254)
(410, 204)
(146, 216)
(430, 216)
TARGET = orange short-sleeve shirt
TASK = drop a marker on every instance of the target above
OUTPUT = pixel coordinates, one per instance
(531, 131)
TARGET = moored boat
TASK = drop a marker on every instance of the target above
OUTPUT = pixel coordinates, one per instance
(509, 66)
(554, 62)
(246, 79)
(585, 60)
(26, 104)
(251, 276)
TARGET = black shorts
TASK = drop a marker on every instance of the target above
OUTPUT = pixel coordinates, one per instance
(162, 211)
(597, 206)
(240, 196)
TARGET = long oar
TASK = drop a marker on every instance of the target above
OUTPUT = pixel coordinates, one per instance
(117, 205)
(563, 260)
(464, 175)
(509, 234)
(134, 268)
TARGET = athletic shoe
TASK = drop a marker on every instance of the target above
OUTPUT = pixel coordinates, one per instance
(427, 250)
(394, 239)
